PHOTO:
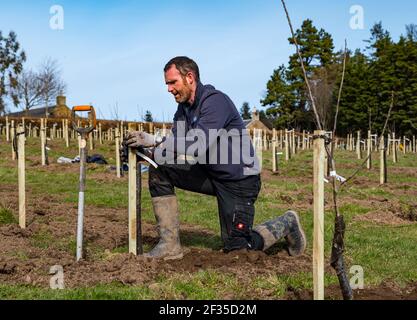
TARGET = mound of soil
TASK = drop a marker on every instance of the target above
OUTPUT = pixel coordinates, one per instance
(26, 256)
(385, 291)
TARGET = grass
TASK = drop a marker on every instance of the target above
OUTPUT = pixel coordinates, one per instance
(102, 292)
(7, 216)
(202, 285)
(42, 239)
(385, 252)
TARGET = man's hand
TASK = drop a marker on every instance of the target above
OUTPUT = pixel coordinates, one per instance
(137, 139)
(124, 152)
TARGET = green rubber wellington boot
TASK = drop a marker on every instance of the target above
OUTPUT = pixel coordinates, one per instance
(287, 226)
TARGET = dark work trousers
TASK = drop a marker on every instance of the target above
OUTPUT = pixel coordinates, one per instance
(235, 200)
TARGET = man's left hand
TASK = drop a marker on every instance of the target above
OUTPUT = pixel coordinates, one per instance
(137, 139)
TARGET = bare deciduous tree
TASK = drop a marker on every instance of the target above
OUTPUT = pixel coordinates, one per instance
(52, 83)
(323, 82)
(29, 91)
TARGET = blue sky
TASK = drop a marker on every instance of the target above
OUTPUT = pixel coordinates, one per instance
(113, 52)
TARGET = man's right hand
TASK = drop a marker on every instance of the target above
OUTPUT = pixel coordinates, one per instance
(137, 139)
(124, 152)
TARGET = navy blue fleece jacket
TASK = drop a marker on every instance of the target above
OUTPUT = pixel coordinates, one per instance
(213, 109)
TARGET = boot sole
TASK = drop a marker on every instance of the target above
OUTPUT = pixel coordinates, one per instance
(172, 257)
(166, 258)
(303, 236)
(176, 257)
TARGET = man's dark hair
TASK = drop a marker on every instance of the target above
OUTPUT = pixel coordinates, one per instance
(184, 65)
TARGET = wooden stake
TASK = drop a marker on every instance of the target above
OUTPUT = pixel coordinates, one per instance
(304, 140)
(132, 202)
(383, 162)
(369, 154)
(287, 146)
(90, 140)
(388, 149)
(280, 139)
(274, 156)
(394, 149)
(318, 237)
(100, 133)
(63, 129)
(164, 130)
(258, 145)
(293, 146)
(7, 129)
(66, 133)
(21, 174)
(118, 152)
(43, 142)
(12, 133)
(358, 145)
(371, 141)
(79, 144)
(53, 134)
(274, 148)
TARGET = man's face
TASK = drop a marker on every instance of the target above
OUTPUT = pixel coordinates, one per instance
(180, 87)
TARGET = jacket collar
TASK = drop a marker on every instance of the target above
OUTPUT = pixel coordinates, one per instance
(198, 95)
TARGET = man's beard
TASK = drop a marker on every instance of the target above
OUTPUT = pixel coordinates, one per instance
(184, 96)
(186, 93)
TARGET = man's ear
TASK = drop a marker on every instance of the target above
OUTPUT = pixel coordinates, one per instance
(190, 78)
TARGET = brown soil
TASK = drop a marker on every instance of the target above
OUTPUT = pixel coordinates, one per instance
(386, 291)
(26, 256)
(382, 217)
(24, 259)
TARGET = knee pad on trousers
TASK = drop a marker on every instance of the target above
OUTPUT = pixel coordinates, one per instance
(241, 227)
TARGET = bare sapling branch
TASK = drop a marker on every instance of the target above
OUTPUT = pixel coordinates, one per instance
(338, 242)
(313, 103)
(338, 245)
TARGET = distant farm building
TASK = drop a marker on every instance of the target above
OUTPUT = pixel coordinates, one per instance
(59, 111)
(256, 123)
